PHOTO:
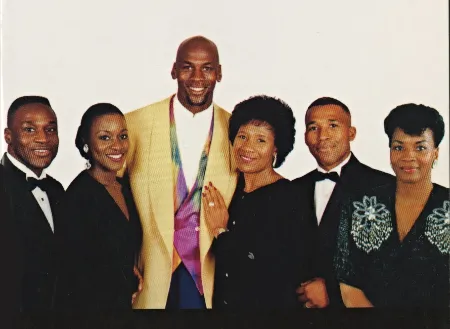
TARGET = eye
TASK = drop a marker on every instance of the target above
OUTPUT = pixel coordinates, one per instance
(124, 136)
(312, 128)
(421, 148)
(241, 136)
(260, 140)
(29, 129)
(208, 68)
(397, 147)
(104, 137)
(52, 130)
(186, 67)
(333, 125)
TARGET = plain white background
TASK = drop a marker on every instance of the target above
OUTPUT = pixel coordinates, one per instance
(372, 55)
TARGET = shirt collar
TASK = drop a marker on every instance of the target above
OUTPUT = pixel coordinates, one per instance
(338, 168)
(27, 171)
(179, 108)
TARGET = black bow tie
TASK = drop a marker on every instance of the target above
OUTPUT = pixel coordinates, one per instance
(331, 176)
(41, 183)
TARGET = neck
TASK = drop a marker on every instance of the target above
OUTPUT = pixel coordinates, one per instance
(254, 181)
(104, 177)
(416, 190)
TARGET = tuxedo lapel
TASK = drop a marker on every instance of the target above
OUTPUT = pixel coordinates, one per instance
(160, 175)
(25, 207)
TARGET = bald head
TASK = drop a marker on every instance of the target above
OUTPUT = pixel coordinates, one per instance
(196, 70)
(197, 42)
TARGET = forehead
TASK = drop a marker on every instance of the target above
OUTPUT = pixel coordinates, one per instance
(109, 122)
(197, 51)
(402, 136)
(326, 113)
(35, 113)
(257, 127)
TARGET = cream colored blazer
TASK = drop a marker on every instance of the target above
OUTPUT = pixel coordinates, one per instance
(149, 166)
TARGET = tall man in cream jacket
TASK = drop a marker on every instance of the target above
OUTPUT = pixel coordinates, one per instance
(177, 146)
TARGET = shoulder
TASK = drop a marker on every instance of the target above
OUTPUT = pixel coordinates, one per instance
(83, 184)
(137, 115)
(222, 111)
(56, 183)
(359, 176)
(441, 191)
(304, 179)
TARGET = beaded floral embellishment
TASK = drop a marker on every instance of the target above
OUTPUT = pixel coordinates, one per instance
(371, 224)
(437, 228)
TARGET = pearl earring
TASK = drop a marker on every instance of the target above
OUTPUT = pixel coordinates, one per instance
(85, 148)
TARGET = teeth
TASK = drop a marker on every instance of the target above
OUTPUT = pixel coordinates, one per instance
(115, 156)
(41, 151)
(197, 89)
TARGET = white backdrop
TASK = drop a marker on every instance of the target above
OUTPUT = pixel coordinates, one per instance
(372, 55)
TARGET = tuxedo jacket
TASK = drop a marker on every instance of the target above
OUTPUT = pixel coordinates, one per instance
(149, 165)
(36, 241)
(355, 176)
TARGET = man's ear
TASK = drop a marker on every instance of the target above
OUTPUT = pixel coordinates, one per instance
(7, 135)
(173, 72)
(219, 73)
(352, 133)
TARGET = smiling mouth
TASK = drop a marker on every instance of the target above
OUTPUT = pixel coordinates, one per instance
(41, 152)
(246, 158)
(115, 157)
(197, 90)
(409, 170)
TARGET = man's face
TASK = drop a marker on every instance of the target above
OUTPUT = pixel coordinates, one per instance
(32, 137)
(197, 69)
(328, 135)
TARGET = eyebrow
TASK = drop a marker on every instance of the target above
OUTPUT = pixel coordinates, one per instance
(400, 142)
(313, 122)
(33, 123)
(108, 131)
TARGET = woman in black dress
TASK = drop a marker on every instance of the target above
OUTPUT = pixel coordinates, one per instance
(261, 242)
(394, 240)
(102, 233)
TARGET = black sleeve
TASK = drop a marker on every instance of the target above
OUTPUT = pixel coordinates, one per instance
(348, 260)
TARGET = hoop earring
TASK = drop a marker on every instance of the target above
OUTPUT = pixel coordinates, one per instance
(274, 162)
(88, 164)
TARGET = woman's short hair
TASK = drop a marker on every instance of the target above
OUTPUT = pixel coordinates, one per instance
(87, 119)
(414, 119)
(270, 110)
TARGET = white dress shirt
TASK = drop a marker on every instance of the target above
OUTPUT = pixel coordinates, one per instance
(40, 196)
(192, 133)
(324, 189)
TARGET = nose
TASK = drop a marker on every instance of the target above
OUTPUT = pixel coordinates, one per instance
(119, 145)
(41, 136)
(409, 154)
(323, 134)
(197, 74)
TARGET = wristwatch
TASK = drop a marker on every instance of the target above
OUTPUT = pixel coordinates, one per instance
(220, 231)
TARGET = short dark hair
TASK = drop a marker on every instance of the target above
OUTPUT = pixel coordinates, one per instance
(271, 110)
(322, 101)
(87, 119)
(22, 101)
(414, 119)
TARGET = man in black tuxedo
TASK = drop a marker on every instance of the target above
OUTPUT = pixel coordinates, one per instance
(32, 138)
(328, 135)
